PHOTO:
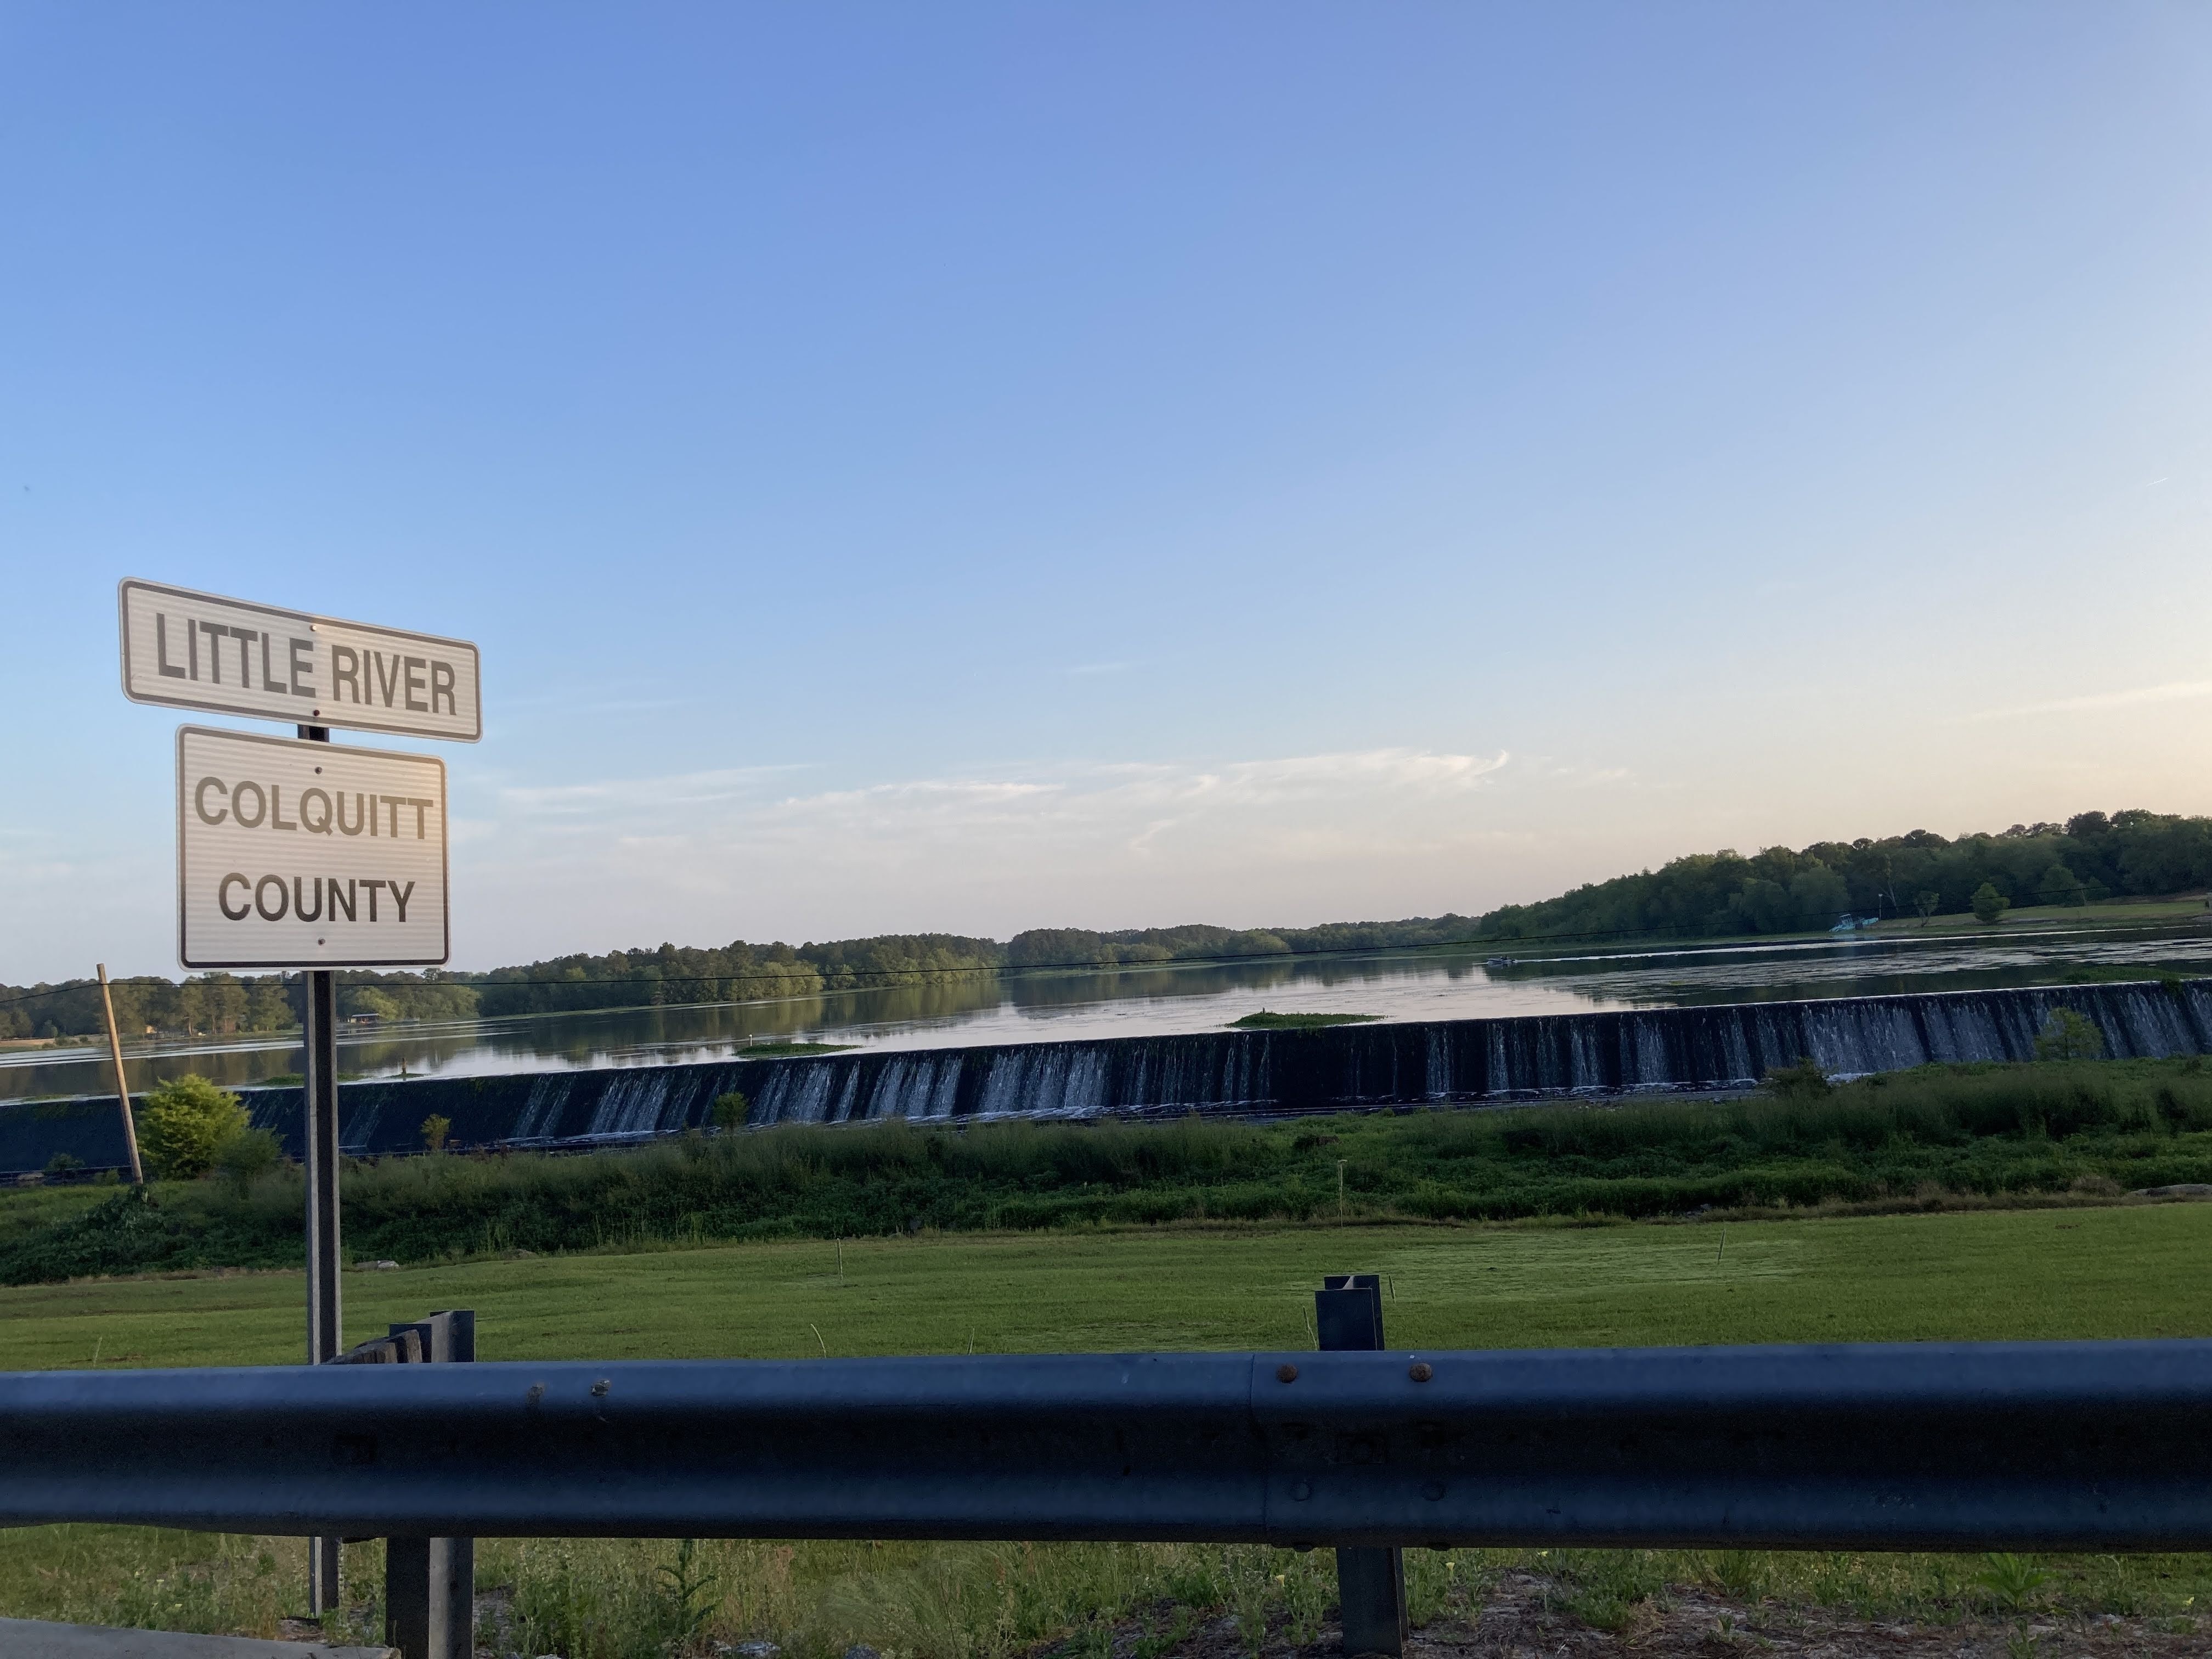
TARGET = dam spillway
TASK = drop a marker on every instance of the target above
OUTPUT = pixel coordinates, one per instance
(1334, 1068)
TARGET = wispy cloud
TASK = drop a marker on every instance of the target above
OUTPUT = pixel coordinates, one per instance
(1291, 806)
(769, 852)
(2173, 691)
(578, 701)
(744, 854)
(626, 794)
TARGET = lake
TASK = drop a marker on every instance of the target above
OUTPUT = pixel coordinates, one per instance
(1063, 1005)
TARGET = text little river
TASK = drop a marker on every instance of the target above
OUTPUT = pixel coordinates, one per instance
(366, 678)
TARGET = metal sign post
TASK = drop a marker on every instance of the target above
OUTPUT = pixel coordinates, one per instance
(300, 854)
(319, 1103)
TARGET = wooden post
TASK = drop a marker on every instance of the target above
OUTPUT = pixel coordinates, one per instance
(122, 1082)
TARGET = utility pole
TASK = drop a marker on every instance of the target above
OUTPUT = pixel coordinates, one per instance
(122, 1083)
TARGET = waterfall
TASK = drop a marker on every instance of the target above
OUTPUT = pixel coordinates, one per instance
(1272, 1072)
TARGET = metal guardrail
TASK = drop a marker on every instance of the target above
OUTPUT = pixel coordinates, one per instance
(2103, 1446)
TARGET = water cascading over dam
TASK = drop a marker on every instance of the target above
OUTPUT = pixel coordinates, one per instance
(1345, 1067)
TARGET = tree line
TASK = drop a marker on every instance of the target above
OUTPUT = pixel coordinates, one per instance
(2092, 856)
(220, 1004)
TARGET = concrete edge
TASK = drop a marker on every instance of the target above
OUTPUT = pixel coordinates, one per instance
(34, 1638)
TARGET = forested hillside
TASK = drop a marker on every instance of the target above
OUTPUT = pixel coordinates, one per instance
(1776, 890)
(2089, 857)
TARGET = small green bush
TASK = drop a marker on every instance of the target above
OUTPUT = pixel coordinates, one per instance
(1803, 1081)
(245, 1156)
(2067, 1036)
(2012, 1582)
(184, 1123)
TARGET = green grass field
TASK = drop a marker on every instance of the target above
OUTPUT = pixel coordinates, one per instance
(2130, 1270)
(2118, 914)
(2112, 913)
(2117, 1271)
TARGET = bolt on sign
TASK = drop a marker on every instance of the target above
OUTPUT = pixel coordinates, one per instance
(296, 855)
(199, 651)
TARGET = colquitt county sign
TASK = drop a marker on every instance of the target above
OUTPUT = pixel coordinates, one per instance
(297, 854)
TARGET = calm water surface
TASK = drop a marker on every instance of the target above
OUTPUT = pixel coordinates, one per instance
(1062, 1006)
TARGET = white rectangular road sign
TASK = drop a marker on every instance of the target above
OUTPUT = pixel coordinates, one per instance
(198, 651)
(297, 854)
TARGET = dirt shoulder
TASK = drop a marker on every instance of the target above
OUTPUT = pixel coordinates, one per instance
(1525, 1617)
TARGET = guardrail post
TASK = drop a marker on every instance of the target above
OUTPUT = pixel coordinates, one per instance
(1370, 1584)
(430, 1583)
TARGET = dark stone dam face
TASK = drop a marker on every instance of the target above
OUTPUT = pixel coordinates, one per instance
(1344, 1068)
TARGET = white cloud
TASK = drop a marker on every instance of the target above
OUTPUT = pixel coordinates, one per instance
(2173, 691)
(722, 854)
(1100, 795)
(676, 789)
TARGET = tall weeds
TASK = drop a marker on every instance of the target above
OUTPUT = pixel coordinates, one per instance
(661, 1599)
(1995, 1132)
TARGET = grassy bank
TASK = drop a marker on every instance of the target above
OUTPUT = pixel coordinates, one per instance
(2111, 1271)
(2107, 1272)
(1267, 1020)
(2119, 913)
(1981, 1134)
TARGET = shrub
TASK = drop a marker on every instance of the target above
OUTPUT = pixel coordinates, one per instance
(435, 1128)
(245, 1156)
(728, 1111)
(2076, 1127)
(1803, 1081)
(2060, 885)
(2067, 1036)
(125, 1234)
(1988, 903)
(2011, 1582)
(184, 1123)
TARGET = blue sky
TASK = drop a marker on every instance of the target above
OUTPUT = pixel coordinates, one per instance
(979, 467)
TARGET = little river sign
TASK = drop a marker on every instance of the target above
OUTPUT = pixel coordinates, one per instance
(198, 651)
(302, 853)
(293, 854)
